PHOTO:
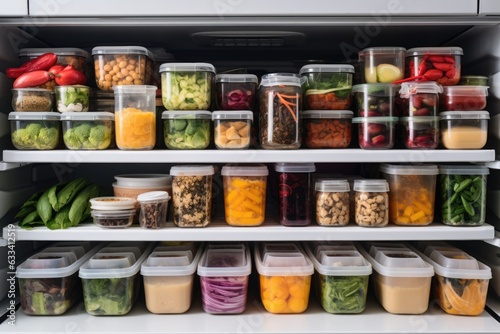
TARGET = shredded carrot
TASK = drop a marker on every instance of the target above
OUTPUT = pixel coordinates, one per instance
(287, 105)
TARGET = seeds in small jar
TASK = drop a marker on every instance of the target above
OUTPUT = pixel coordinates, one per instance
(371, 208)
(114, 222)
(332, 208)
(153, 215)
(33, 103)
(192, 200)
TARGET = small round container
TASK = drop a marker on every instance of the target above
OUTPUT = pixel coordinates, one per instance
(421, 132)
(72, 98)
(232, 129)
(440, 64)
(154, 205)
(132, 185)
(327, 128)
(332, 202)
(460, 98)
(420, 98)
(328, 87)
(187, 130)
(375, 132)
(374, 100)
(113, 218)
(135, 117)
(34, 130)
(473, 80)
(462, 130)
(382, 64)
(187, 86)
(112, 203)
(235, 91)
(87, 131)
(31, 99)
(371, 203)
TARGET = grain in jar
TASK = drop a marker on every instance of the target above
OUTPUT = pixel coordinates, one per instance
(371, 203)
(332, 202)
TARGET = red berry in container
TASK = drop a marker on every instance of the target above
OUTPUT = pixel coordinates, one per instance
(375, 132)
(421, 132)
(235, 91)
(420, 98)
(464, 98)
(375, 100)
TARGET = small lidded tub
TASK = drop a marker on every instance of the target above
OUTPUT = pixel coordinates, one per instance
(154, 205)
(232, 128)
(473, 80)
(375, 100)
(235, 91)
(113, 212)
(72, 98)
(464, 129)
(376, 132)
(460, 98)
(132, 185)
(332, 202)
(440, 64)
(371, 203)
(420, 132)
(185, 130)
(187, 86)
(420, 98)
(87, 131)
(33, 130)
(327, 128)
(328, 87)
(31, 99)
(382, 64)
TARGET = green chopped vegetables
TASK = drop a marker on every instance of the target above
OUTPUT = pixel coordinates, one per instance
(186, 90)
(343, 294)
(89, 136)
(340, 83)
(187, 133)
(108, 296)
(72, 98)
(36, 135)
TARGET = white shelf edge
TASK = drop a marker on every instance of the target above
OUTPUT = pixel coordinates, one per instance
(493, 164)
(4, 166)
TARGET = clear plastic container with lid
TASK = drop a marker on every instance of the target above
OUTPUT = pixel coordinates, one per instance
(372, 100)
(135, 117)
(473, 80)
(371, 203)
(224, 277)
(382, 64)
(294, 186)
(412, 193)
(187, 86)
(192, 195)
(327, 128)
(332, 202)
(188, 129)
(235, 91)
(328, 86)
(113, 212)
(464, 129)
(420, 98)
(420, 132)
(65, 56)
(376, 132)
(232, 128)
(122, 65)
(32, 130)
(154, 205)
(131, 185)
(73, 98)
(459, 98)
(440, 64)
(245, 194)
(280, 102)
(31, 99)
(87, 131)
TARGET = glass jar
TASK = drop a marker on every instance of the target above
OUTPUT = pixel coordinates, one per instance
(332, 202)
(371, 201)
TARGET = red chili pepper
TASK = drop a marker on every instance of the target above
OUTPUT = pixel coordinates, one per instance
(42, 62)
(433, 75)
(436, 59)
(423, 67)
(443, 66)
(70, 76)
(32, 79)
(449, 59)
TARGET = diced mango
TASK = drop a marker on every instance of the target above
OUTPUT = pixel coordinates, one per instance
(417, 216)
(408, 211)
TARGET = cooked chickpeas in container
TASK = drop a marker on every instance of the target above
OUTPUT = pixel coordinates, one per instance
(332, 202)
(371, 203)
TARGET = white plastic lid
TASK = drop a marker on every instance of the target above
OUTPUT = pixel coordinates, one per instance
(232, 115)
(445, 50)
(153, 196)
(112, 260)
(32, 89)
(326, 68)
(225, 262)
(409, 170)
(419, 119)
(79, 251)
(187, 67)
(340, 263)
(246, 170)
(283, 264)
(122, 249)
(473, 115)
(285, 167)
(371, 185)
(463, 170)
(191, 170)
(35, 52)
(118, 50)
(466, 90)
(278, 79)
(110, 203)
(380, 50)
(143, 180)
(376, 89)
(375, 119)
(186, 114)
(87, 116)
(171, 263)
(331, 114)
(236, 78)
(279, 247)
(332, 186)
(34, 116)
(135, 89)
(428, 87)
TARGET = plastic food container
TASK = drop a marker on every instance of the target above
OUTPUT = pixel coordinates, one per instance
(245, 194)
(464, 129)
(132, 185)
(341, 279)
(32, 130)
(235, 91)
(332, 202)
(135, 117)
(187, 86)
(111, 282)
(371, 203)
(463, 194)
(440, 64)
(473, 80)
(285, 279)
(65, 56)
(154, 205)
(192, 195)
(327, 128)
(168, 280)
(280, 99)
(421, 132)
(376, 132)
(401, 280)
(382, 64)
(113, 212)
(464, 98)
(372, 100)
(184, 130)
(31, 99)
(72, 98)
(420, 98)
(412, 193)
(232, 129)
(294, 193)
(87, 131)
(122, 65)
(328, 87)
(48, 280)
(224, 279)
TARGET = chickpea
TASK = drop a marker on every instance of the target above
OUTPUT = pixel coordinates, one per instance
(111, 70)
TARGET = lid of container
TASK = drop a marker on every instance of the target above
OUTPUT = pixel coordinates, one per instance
(469, 114)
(113, 214)
(232, 115)
(87, 245)
(445, 50)
(332, 186)
(187, 67)
(340, 263)
(186, 114)
(226, 245)
(122, 249)
(285, 79)
(135, 89)
(225, 262)
(381, 246)
(87, 116)
(334, 248)
(279, 247)
(143, 180)
(375, 119)
(326, 68)
(335, 114)
(371, 185)
(377, 89)
(171, 263)
(129, 50)
(409, 170)
(245, 170)
(283, 263)
(191, 170)
(51, 260)
(414, 87)
(463, 170)
(35, 52)
(380, 50)
(285, 167)
(419, 119)
(478, 78)
(32, 89)
(118, 260)
(110, 203)
(78, 250)
(237, 78)
(153, 196)
(34, 116)
(467, 90)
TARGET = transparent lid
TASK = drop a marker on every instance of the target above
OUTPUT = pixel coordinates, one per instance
(134, 89)
(283, 263)
(143, 180)
(279, 247)
(285, 167)
(245, 170)
(171, 263)
(466, 90)
(87, 116)
(375, 119)
(34, 116)
(186, 114)
(112, 214)
(419, 119)
(32, 89)
(232, 115)
(371, 185)
(225, 262)
(51, 260)
(332, 186)
(236, 78)
(376, 247)
(377, 89)
(380, 50)
(463, 170)
(35, 52)
(112, 203)
(335, 114)
(409, 170)
(78, 250)
(153, 196)
(87, 245)
(122, 249)
(191, 170)
(326, 68)
(446, 50)
(339, 263)
(117, 260)
(281, 79)
(187, 67)
(118, 50)
(413, 87)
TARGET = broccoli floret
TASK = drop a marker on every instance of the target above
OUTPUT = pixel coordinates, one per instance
(47, 138)
(88, 136)
(71, 140)
(35, 136)
(100, 137)
(83, 131)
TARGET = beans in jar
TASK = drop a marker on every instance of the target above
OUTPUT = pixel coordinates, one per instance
(371, 208)
(192, 200)
(332, 208)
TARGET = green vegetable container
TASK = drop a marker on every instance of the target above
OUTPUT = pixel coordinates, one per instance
(34, 130)
(73, 98)
(87, 131)
(463, 194)
(185, 130)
